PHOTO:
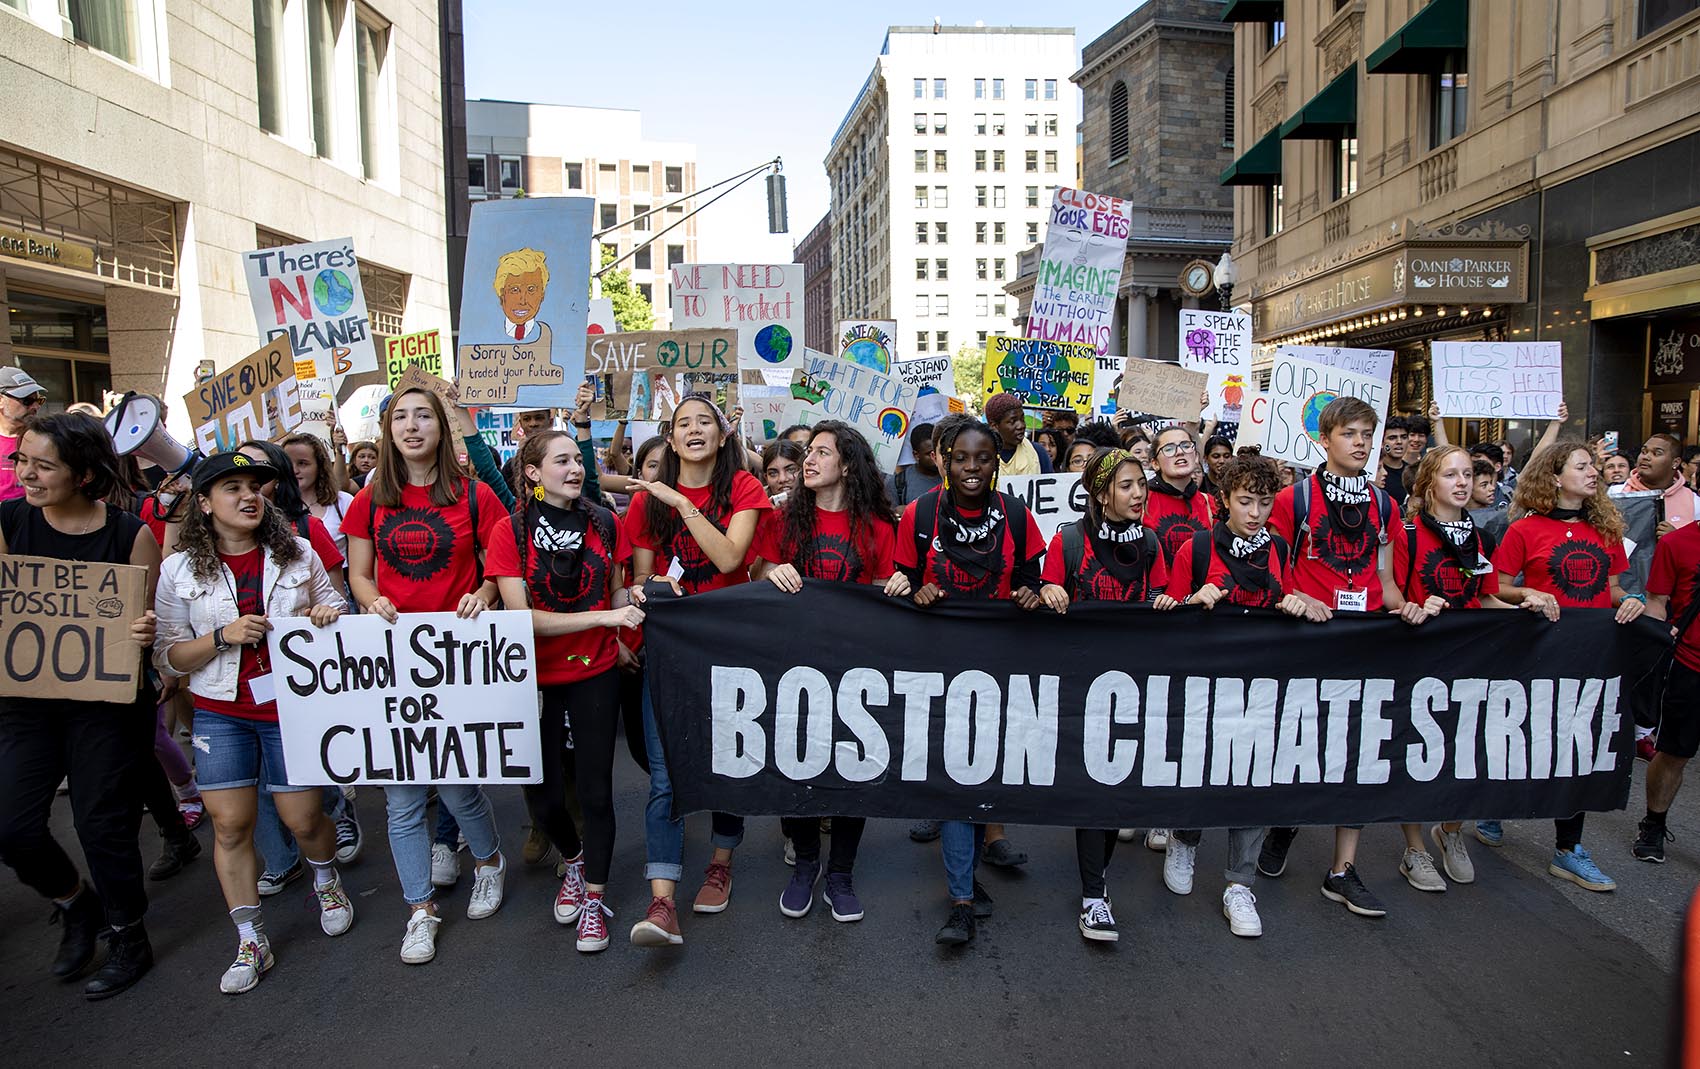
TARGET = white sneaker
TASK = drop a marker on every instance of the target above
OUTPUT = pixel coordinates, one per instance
(487, 883)
(336, 912)
(1239, 905)
(252, 959)
(1157, 839)
(419, 945)
(1453, 855)
(1178, 863)
(571, 897)
(1126, 835)
(445, 865)
(790, 852)
(1417, 867)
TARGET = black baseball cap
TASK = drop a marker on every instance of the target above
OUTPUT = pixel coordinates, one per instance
(219, 465)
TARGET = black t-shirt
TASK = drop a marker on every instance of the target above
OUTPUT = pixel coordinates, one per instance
(1395, 484)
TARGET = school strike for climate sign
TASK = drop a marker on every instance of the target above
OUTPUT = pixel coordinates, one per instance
(430, 699)
(1074, 296)
(979, 711)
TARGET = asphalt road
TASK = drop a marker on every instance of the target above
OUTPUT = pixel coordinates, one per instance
(1516, 969)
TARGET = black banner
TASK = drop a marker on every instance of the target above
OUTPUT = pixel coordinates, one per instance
(839, 700)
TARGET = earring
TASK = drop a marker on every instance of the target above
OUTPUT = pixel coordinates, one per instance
(537, 492)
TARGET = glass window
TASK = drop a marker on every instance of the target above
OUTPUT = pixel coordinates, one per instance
(921, 338)
(997, 125)
(641, 259)
(56, 323)
(920, 122)
(938, 88)
(941, 341)
(640, 178)
(979, 196)
(1032, 196)
(941, 270)
(979, 89)
(511, 173)
(940, 233)
(675, 178)
(268, 63)
(610, 215)
(1272, 211)
(1273, 34)
(1657, 13)
(940, 122)
(980, 123)
(1051, 161)
(608, 179)
(1033, 160)
(997, 159)
(920, 89)
(1345, 167)
(921, 269)
(1032, 233)
(1032, 124)
(922, 305)
(921, 233)
(980, 339)
(1448, 100)
(997, 88)
(979, 159)
(1050, 88)
(980, 269)
(1032, 89)
(998, 270)
(638, 223)
(920, 161)
(982, 304)
(371, 52)
(475, 173)
(1050, 126)
(997, 196)
(997, 233)
(575, 176)
(108, 25)
(1000, 305)
(675, 255)
(941, 196)
(939, 159)
(920, 196)
(322, 33)
(979, 233)
(647, 292)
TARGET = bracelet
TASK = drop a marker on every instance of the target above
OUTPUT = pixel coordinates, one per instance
(582, 426)
(690, 514)
(1642, 598)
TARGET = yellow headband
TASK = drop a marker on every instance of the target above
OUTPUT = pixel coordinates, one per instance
(1106, 469)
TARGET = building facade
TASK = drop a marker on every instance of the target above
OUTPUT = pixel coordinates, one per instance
(1465, 169)
(559, 150)
(814, 252)
(1157, 129)
(162, 139)
(941, 171)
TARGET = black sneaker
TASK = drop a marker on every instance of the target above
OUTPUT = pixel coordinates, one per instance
(1004, 855)
(924, 831)
(348, 840)
(129, 956)
(1097, 923)
(179, 851)
(273, 882)
(982, 902)
(959, 929)
(1272, 859)
(83, 921)
(1350, 891)
(1650, 842)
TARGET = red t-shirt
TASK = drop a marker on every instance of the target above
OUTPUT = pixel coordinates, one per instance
(249, 569)
(833, 555)
(426, 557)
(582, 654)
(949, 577)
(1675, 563)
(1570, 561)
(324, 546)
(1327, 562)
(1094, 582)
(1175, 519)
(700, 573)
(1437, 572)
(1216, 574)
(149, 512)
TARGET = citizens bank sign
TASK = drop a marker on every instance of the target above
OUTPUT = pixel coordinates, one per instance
(45, 250)
(1406, 274)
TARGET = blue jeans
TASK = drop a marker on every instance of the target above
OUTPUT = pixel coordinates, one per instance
(664, 837)
(448, 832)
(276, 845)
(231, 752)
(959, 845)
(410, 839)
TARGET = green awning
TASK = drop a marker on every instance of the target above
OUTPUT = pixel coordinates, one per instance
(1254, 11)
(1330, 114)
(1260, 166)
(1422, 44)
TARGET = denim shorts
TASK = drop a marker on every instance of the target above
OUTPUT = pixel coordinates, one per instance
(231, 752)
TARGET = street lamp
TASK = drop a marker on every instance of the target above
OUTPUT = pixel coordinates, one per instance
(1226, 276)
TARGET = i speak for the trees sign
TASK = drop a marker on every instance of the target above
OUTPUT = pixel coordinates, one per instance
(310, 294)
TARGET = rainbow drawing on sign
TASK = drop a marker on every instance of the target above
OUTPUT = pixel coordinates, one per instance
(1312, 414)
(893, 422)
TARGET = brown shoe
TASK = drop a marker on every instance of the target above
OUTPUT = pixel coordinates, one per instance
(659, 927)
(537, 846)
(716, 893)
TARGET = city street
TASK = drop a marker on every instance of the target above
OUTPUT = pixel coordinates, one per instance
(1517, 969)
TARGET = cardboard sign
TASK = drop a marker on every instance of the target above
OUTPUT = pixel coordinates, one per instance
(1054, 499)
(762, 302)
(928, 374)
(875, 404)
(258, 398)
(623, 366)
(310, 295)
(1498, 379)
(524, 302)
(1106, 380)
(424, 348)
(1218, 344)
(417, 378)
(1080, 270)
(65, 629)
(1300, 389)
(1044, 374)
(430, 699)
(869, 342)
(1161, 389)
(317, 398)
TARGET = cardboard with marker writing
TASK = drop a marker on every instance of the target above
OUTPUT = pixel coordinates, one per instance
(257, 398)
(65, 629)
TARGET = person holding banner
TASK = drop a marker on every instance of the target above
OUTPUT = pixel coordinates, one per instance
(1567, 544)
(835, 527)
(1673, 593)
(1177, 508)
(700, 511)
(561, 556)
(239, 568)
(416, 536)
(65, 464)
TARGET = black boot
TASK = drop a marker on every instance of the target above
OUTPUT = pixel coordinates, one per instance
(81, 922)
(179, 851)
(129, 956)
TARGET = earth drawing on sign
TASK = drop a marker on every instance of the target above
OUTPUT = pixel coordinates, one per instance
(1312, 414)
(773, 344)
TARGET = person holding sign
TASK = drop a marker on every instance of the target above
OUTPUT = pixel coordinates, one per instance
(65, 465)
(416, 535)
(1178, 508)
(239, 568)
(561, 556)
(834, 527)
(700, 511)
(1567, 544)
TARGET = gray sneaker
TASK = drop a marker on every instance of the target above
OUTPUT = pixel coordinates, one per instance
(1454, 858)
(1417, 867)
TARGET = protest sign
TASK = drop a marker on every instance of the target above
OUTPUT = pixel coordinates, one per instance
(497, 430)
(1105, 382)
(1299, 389)
(1255, 423)
(927, 374)
(869, 342)
(600, 319)
(432, 698)
(1053, 499)
(417, 378)
(258, 397)
(979, 715)
(317, 399)
(762, 302)
(65, 628)
(310, 295)
(524, 303)
(424, 348)
(1074, 295)
(1218, 344)
(1161, 389)
(359, 414)
(764, 410)
(1498, 379)
(623, 366)
(875, 404)
(1044, 374)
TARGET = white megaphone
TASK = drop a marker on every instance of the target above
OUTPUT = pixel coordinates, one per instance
(136, 426)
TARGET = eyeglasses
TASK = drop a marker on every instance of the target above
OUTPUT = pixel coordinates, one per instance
(32, 400)
(1177, 448)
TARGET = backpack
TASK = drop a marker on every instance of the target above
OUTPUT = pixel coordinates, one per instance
(472, 512)
(1301, 510)
(1073, 535)
(1201, 553)
(927, 523)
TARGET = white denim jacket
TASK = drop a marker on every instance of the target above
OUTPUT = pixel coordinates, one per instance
(189, 607)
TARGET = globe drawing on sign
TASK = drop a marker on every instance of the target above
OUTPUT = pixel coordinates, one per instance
(869, 353)
(773, 344)
(1036, 382)
(1312, 414)
(893, 422)
(332, 292)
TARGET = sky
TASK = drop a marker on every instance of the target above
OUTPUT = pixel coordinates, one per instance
(744, 82)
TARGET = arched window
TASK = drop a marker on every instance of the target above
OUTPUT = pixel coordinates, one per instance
(1118, 122)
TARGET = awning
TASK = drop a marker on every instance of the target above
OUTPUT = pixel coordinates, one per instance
(1260, 166)
(1254, 11)
(1423, 43)
(1330, 114)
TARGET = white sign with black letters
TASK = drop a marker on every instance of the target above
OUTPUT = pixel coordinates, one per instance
(1054, 499)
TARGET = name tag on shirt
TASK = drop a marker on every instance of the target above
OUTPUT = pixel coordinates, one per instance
(1351, 600)
(676, 570)
(262, 688)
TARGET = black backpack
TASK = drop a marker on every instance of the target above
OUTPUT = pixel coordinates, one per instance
(1073, 534)
(1201, 553)
(927, 522)
(1301, 510)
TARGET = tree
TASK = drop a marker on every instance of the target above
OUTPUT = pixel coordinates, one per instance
(632, 310)
(967, 368)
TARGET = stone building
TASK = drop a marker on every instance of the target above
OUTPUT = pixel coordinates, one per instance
(814, 252)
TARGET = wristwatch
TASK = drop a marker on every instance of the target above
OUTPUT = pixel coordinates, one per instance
(220, 643)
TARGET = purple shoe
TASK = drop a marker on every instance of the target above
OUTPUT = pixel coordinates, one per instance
(840, 894)
(799, 894)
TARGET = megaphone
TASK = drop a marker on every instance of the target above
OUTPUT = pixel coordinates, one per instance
(137, 426)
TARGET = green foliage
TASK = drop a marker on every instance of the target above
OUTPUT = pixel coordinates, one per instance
(631, 310)
(967, 368)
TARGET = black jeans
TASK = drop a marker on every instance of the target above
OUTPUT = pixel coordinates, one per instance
(1093, 848)
(593, 705)
(1567, 832)
(161, 801)
(101, 747)
(804, 833)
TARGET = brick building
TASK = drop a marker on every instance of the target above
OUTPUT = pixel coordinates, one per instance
(814, 252)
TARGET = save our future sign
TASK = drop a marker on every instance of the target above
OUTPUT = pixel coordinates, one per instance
(65, 628)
